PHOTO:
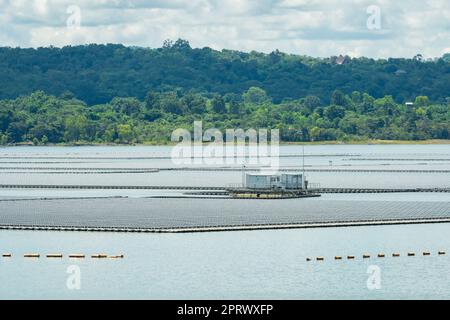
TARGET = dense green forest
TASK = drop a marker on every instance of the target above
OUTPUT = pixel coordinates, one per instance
(98, 73)
(118, 94)
(41, 118)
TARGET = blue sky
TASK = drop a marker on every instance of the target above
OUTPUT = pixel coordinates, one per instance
(322, 28)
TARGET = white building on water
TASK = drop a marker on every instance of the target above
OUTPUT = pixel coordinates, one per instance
(284, 181)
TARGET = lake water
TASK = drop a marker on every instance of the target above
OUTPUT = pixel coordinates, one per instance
(229, 265)
(240, 265)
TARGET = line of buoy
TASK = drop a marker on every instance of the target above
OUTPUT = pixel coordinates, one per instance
(365, 256)
(71, 256)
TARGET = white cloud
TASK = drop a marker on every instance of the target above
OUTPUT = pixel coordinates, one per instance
(312, 27)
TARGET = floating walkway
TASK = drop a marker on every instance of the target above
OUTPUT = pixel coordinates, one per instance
(227, 228)
(72, 170)
(363, 190)
(98, 187)
(222, 189)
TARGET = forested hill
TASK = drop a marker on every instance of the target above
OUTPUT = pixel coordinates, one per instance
(98, 73)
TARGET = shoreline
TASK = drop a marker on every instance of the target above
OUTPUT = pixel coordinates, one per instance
(283, 143)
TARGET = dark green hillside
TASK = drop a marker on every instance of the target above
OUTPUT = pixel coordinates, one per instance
(98, 73)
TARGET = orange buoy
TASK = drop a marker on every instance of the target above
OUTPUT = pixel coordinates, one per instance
(120, 256)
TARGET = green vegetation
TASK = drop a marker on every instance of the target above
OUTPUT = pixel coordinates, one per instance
(40, 118)
(98, 73)
(118, 94)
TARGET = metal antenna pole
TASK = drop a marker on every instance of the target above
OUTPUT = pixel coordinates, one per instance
(304, 177)
(243, 175)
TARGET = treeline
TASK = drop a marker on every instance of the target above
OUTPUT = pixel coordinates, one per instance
(98, 73)
(41, 118)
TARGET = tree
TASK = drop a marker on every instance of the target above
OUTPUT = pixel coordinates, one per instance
(40, 118)
(3, 139)
(235, 108)
(152, 100)
(312, 102)
(171, 104)
(218, 104)
(255, 95)
(195, 103)
(152, 115)
(75, 127)
(128, 106)
(334, 111)
(446, 57)
(125, 133)
(44, 140)
(338, 98)
(422, 101)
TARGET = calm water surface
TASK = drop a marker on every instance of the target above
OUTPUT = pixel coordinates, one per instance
(258, 265)
(240, 265)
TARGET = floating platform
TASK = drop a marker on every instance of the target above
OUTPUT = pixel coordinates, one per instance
(244, 193)
(207, 215)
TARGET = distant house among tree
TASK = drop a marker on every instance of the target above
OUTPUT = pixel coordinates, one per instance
(400, 72)
(341, 59)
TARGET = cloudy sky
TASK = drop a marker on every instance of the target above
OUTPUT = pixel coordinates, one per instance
(374, 28)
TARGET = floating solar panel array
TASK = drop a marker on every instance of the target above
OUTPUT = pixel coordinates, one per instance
(161, 214)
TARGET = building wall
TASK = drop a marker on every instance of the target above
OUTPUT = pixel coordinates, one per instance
(285, 181)
(257, 181)
(291, 181)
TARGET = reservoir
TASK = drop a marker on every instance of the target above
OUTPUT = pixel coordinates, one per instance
(263, 264)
